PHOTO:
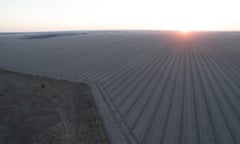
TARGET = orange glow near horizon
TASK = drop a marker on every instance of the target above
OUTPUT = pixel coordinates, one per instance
(184, 31)
(184, 34)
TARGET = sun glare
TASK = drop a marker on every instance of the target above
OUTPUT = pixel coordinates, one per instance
(184, 31)
(185, 34)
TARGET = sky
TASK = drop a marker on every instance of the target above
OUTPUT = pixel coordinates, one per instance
(54, 15)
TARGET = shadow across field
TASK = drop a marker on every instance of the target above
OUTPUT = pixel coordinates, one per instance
(50, 35)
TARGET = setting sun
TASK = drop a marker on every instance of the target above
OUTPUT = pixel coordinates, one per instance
(120, 71)
(184, 31)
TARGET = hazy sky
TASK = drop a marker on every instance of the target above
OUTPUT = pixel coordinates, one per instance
(45, 15)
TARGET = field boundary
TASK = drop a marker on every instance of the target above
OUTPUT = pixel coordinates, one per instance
(115, 130)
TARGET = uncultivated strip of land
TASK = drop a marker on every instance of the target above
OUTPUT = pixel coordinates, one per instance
(40, 110)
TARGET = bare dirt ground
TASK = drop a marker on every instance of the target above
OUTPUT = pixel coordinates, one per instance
(39, 110)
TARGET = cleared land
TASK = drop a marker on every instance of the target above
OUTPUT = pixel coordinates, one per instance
(39, 110)
(150, 87)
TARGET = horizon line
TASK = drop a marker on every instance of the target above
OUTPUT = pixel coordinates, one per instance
(39, 31)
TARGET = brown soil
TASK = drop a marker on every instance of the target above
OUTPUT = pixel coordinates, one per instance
(39, 110)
